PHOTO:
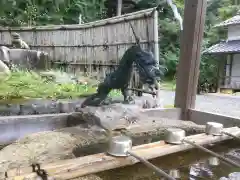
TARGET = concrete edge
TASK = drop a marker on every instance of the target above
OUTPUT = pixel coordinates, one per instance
(202, 117)
(171, 113)
(15, 127)
(232, 96)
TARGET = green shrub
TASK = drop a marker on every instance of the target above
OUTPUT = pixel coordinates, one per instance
(29, 84)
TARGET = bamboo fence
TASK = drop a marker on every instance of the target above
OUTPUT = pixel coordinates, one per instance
(94, 48)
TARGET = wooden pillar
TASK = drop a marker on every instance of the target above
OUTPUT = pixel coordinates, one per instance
(221, 64)
(190, 50)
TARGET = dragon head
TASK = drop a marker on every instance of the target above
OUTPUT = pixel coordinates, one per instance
(147, 67)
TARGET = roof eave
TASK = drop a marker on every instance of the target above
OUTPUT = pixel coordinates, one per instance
(226, 25)
(220, 52)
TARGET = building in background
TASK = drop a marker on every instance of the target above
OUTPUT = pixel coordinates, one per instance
(228, 52)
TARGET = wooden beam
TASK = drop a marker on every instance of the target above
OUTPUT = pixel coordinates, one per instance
(188, 68)
(73, 168)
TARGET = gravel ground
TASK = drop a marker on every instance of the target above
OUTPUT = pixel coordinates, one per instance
(227, 105)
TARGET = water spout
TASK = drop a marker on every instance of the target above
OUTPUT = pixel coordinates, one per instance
(176, 13)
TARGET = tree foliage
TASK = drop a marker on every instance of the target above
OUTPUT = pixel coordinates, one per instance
(43, 12)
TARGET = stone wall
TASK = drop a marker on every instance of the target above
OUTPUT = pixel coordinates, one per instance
(32, 107)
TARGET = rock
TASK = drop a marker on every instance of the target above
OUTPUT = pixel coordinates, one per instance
(232, 176)
(147, 102)
(9, 109)
(47, 146)
(24, 58)
(29, 59)
(38, 107)
(110, 117)
(89, 177)
(67, 106)
(121, 116)
(63, 77)
(41, 106)
(39, 147)
(4, 71)
(200, 170)
(58, 76)
(4, 54)
(52, 107)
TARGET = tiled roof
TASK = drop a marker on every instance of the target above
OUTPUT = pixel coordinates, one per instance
(224, 47)
(232, 21)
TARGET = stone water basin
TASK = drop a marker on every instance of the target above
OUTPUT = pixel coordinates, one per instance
(190, 165)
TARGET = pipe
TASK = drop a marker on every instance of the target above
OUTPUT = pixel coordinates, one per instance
(142, 90)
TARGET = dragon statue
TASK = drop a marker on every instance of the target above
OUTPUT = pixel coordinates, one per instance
(147, 67)
(120, 78)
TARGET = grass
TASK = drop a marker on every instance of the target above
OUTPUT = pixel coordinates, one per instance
(169, 106)
(28, 84)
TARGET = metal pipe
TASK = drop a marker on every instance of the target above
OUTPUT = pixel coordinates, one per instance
(119, 7)
(151, 166)
(212, 153)
(142, 90)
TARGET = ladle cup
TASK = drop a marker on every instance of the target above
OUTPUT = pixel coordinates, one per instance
(213, 128)
(121, 146)
(177, 136)
(216, 129)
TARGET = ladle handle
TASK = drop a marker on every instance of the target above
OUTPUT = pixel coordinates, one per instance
(151, 166)
(212, 153)
(142, 90)
(231, 135)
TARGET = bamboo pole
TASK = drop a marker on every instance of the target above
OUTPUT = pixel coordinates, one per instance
(73, 168)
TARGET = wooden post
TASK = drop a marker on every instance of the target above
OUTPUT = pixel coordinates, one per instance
(221, 75)
(119, 7)
(188, 67)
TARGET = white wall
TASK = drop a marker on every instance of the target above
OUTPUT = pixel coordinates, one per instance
(234, 32)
